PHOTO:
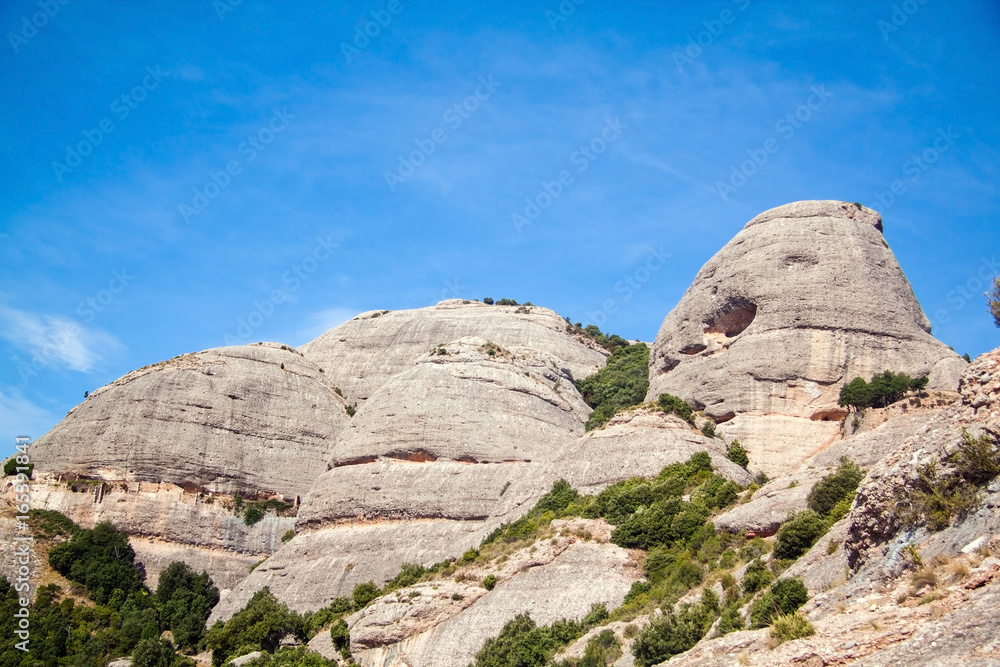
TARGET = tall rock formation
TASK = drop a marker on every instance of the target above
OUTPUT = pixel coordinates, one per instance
(805, 298)
(366, 352)
(434, 460)
(161, 449)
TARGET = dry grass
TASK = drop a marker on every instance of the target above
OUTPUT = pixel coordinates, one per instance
(924, 577)
(744, 657)
(959, 568)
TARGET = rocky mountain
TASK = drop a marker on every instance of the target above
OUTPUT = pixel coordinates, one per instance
(806, 297)
(417, 437)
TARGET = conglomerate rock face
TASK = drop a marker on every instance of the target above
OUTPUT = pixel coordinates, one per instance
(805, 298)
(254, 419)
(369, 350)
(437, 458)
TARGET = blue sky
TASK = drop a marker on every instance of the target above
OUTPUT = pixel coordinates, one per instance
(169, 171)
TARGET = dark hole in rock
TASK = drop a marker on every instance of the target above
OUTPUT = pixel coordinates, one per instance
(732, 318)
(416, 456)
(693, 348)
(668, 364)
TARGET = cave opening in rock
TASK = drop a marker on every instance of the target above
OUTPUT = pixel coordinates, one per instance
(732, 318)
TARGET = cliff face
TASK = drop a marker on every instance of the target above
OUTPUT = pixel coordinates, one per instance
(255, 419)
(431, 463)
(805, 298)
(369, 350)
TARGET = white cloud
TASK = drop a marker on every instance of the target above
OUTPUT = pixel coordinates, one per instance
(321, 322)
(55, 339)
(19, 416)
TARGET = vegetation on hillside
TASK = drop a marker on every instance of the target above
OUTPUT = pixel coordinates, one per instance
(884, 389)
(620, 384)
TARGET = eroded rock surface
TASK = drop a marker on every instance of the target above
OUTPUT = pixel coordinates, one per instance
(366, 352)
(253, 419)
(435, 460)
(805, 298)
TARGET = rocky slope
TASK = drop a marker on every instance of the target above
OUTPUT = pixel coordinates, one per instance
(437, 458)
(806, 297)
(369, 350)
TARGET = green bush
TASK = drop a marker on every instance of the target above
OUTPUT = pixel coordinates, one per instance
(11, 466)
(738, 455)
(756, 577)
(790, 627)
(678, 406)
(261, 624)
(730, 620)
(341, 638)
(798, 533)
(620, 384)
(186, 600)
(674, 632)
(507, 302)
(524, 644)
(289, 534)
(152, 653)
(252, 514)
(784, 597)
(602, 650)
(884, 389)
(49, 524)
(708, 430)
(937, 498)
(490, 582)
(488, 301)
(364, 593)
(834, 487)
(100, 559)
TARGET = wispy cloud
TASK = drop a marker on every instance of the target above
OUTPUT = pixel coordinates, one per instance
(55, 339)
(321, 322)
(19, 416)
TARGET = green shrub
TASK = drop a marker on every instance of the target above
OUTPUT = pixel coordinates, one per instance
(730, 620)
(798, 533)
(602, 650)
(488, 301)
(186, 600)
(884, 389)
(364, 593)
(341, 638)
(784, 597)
(490, 582)
(507, 302)
(789, 627)
(738, 455)
(11, 466)
(673, 633)
(524, 644)
(620, 384)
(289, 534)
(49, 524)
(834, 487)
(261, 624)
(937, 498)
(756, 577)
(708, 430)
(153, 653)
(252, 514)
(100, 559)
(678, 406)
